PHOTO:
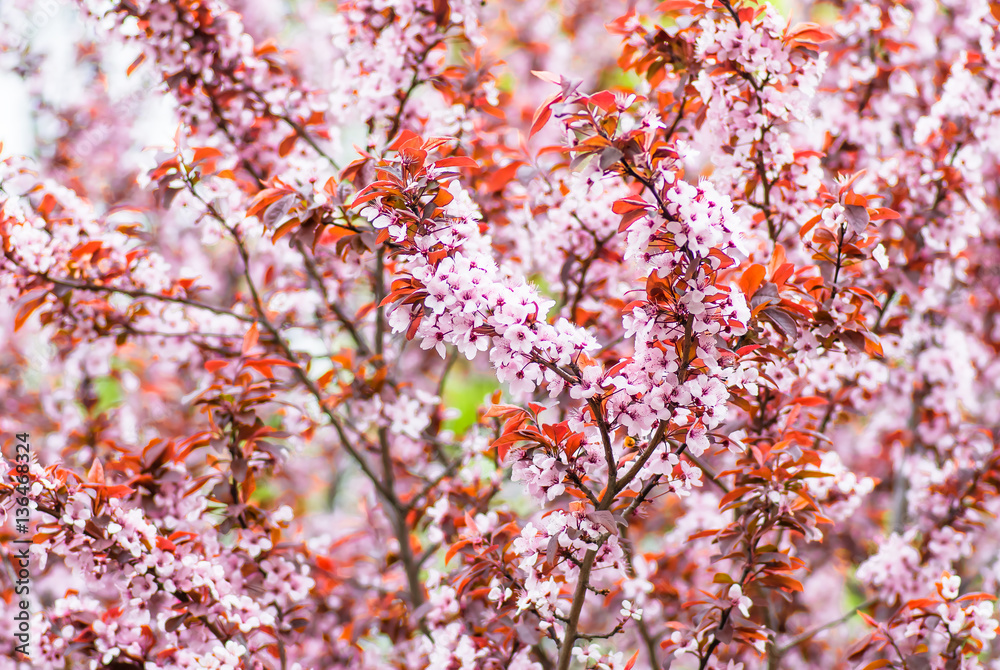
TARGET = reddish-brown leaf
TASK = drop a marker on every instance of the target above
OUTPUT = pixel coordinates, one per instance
(880, 213)
(810, 401)
(96, 473)
(264, 199)
(456, 161)
(751, 279)
(250, 338)
(136, 63)
(215, 366)
(455, 548)
(498, 180)
(287, 145)
(542, 115)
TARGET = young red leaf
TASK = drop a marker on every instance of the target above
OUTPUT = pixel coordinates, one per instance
(96, 473)
(250, 338)
(456, 161)
(550, 77)
(215, 366)
(881, 213)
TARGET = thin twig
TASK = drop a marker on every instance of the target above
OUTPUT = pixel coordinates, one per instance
(802, 637)
(707, 471)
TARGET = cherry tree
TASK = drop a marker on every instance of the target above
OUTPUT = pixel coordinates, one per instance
(519, 334)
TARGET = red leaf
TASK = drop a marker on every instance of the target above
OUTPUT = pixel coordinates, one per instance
(262, 368)
(975, 597)
(812, 36)
(404, 138)
(86, 249)
(922, 603)
(96, 473)
(119, 491)
(873, 346)
(864, 293)
(733, 495)
(503, 411)
(136, 63)
(880, 213)
(676, 5)
(868, 620)
(265, 198)
(27, 308)
(798, 155)
(204, 153)
(810, 401)
(850, 182)
(808, 225)
(442, 12)
(542, 114)
(215, 366)
(455, 548)
(498, 180)
(626, 205)
(853, 340)
(855, 199)
(630, 218)
(782, 274)
(363, 197)
(603, 99)
(284, 229)
(364, 311)
(456, 161)
(325, 379)
(280, 362)
(414, 325)
(550, 77)
(287, 144)
(752, 278)
(250, 339)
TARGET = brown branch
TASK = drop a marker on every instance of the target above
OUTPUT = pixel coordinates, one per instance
(609, 456)
(645, 456)
(584, 488)
(707, 471)
(140, 293)
(414, 82)
(647, 639)
(569, 638)
(724, 619)
(728, 6)
(399, 511)
(297, 370)
(802, 637)
(301, 132)
(345, 321)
